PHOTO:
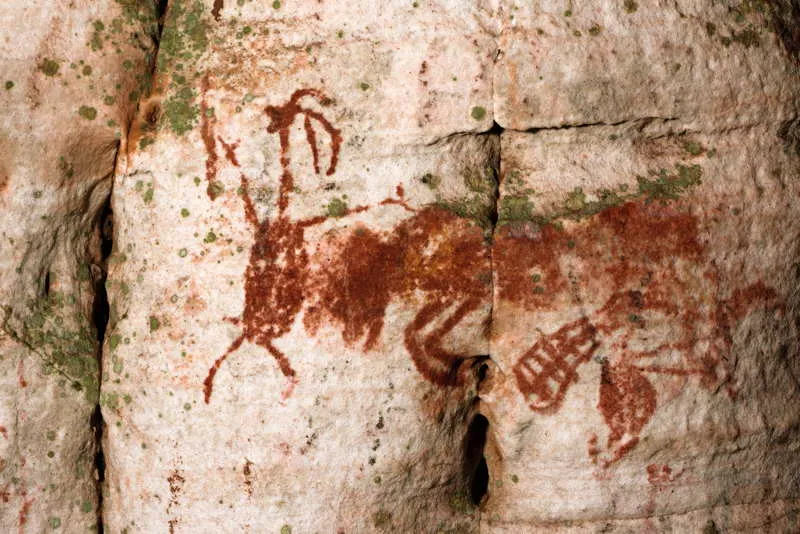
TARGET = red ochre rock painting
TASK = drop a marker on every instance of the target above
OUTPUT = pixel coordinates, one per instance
(652, 303)
(433, 251)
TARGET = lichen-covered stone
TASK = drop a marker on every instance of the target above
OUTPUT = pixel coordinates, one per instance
(412, 266)
(65, 103)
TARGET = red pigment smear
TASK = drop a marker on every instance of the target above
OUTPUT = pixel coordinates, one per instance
(20, 374)
(661, 474)
(230, 151)
(217, 8)
(649, 260)
(24, 510)
(207, 133)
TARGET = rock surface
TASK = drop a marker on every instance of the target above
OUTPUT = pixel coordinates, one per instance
(452, 266)
(68, 90)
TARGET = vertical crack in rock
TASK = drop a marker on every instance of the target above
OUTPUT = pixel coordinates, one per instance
(100, 307)
(476, 468)
(475, 465)
(100, 316)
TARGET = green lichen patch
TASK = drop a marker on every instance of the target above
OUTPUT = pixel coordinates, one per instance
(54, 328)
(110, 400)
(431, 180)
(661, 185)
(337, 207)
(49, 67)
(9, 85)
(669, 186)
(65, 167)
(478, 113)
(747, 38)
(515, 208)
(146, 141)
(480, 180)
(461, 502)
(210, 237)
(476, 208)
(630, 6)
(180, 111)
(382, 519)
(693, 147)
(576, 206)
(184, 40)
(87, 112)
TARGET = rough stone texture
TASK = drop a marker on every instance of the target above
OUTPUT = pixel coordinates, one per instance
(348, 235)
(65, 98)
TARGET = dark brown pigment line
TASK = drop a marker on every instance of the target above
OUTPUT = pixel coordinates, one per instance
(219, 5)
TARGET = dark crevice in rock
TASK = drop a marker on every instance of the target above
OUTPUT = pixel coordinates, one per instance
(641, 122)
(161, 12)
(786, 20)
(475, 461)
(100, 317)
(475, 467)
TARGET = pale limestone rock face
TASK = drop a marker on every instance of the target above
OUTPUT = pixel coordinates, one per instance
(348, 236)
(66, 100)
(290, 347)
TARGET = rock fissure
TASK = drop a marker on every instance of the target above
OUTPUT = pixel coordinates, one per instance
(100, 321)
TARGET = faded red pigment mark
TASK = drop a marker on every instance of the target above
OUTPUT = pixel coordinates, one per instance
(648, 261)
(176, 482)
(207, 133)
(21, 375)
(24, 510)
(661, 474)
(247, 471)
(4, 431)
(360, 270)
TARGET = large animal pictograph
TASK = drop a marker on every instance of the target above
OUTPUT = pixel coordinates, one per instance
(433, 252)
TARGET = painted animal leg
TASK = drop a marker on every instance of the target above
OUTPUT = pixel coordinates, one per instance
(430, 358)
(286, 369)
(208, 383)
(280, 357)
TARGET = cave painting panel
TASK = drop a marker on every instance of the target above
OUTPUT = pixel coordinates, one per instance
(639, 271)
(652, 304)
